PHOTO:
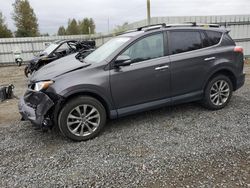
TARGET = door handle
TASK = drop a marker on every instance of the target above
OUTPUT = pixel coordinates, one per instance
(162, 67)
(209, 58)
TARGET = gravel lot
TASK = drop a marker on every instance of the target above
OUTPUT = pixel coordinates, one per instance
(181, 146)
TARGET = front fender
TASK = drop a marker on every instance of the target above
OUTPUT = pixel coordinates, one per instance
(91, 90)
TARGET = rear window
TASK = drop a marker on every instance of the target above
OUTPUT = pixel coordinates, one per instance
(213, 37)
(184, 41)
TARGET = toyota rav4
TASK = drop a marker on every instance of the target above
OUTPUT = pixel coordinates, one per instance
(147, 68)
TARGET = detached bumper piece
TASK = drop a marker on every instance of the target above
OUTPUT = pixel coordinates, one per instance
(6, 92)
(34, 106)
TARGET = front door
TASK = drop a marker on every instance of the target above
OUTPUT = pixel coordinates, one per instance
(147, 79)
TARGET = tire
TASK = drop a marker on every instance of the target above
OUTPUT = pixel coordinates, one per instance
(27, 72)
(76, 121)
(217, 99)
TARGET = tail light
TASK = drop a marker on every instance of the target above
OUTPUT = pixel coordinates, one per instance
(238, 49)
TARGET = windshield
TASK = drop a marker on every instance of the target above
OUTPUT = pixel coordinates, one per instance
(106, 50)
(50, 49)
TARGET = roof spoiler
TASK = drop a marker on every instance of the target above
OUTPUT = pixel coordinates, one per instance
(227, 30)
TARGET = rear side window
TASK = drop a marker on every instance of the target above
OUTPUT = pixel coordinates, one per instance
(184, 41)
(213, 37)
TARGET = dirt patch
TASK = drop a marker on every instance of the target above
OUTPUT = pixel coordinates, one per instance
(8, 109)
(247, 61)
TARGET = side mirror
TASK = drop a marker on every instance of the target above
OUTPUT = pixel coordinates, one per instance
(122, 60)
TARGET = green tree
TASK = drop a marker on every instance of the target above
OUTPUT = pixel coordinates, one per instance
(76, 28)
(73, 28)
(85, 25)
(92, 25)
(25, 19)
(4, 31)
(61, 31)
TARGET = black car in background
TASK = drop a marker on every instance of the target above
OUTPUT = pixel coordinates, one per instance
(56, 50)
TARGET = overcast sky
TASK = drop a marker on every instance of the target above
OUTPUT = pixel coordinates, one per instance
(53, 13)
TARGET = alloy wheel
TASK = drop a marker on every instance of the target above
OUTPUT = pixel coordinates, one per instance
(83, 120)
(219, 92)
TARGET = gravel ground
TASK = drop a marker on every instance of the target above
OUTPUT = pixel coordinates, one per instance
(181, 146)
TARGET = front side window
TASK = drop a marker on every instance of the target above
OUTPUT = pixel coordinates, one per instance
(147, 48)
(184, 41)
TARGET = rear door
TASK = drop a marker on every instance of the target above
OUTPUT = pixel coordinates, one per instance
(147, 79)
(190, 60)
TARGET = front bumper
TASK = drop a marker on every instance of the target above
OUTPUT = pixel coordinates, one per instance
(34, 106)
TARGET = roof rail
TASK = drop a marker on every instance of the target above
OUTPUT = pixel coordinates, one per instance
(163, 25)
(180, 25)
(150, 27)
(194, 24)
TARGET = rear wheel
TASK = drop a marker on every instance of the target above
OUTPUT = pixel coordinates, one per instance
(82, 118)
(19, 62)
(218, 92)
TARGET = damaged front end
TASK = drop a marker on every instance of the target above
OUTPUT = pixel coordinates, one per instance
(36, 107)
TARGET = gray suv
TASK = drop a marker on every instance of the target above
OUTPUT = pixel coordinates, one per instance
(144, 69)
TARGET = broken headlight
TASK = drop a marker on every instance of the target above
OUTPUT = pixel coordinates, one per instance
(43, 85)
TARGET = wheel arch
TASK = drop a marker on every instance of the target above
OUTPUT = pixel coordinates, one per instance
(102, 100)
(223, 71)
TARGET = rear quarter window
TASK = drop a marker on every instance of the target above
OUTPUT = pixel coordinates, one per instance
(227, 40)
(213, 37)
(205, 40)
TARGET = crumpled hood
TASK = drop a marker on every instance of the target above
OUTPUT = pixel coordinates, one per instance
(57, 68)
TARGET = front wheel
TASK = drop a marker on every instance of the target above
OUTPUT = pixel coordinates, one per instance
(27, 71)
(82, 118)
(218, 92)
